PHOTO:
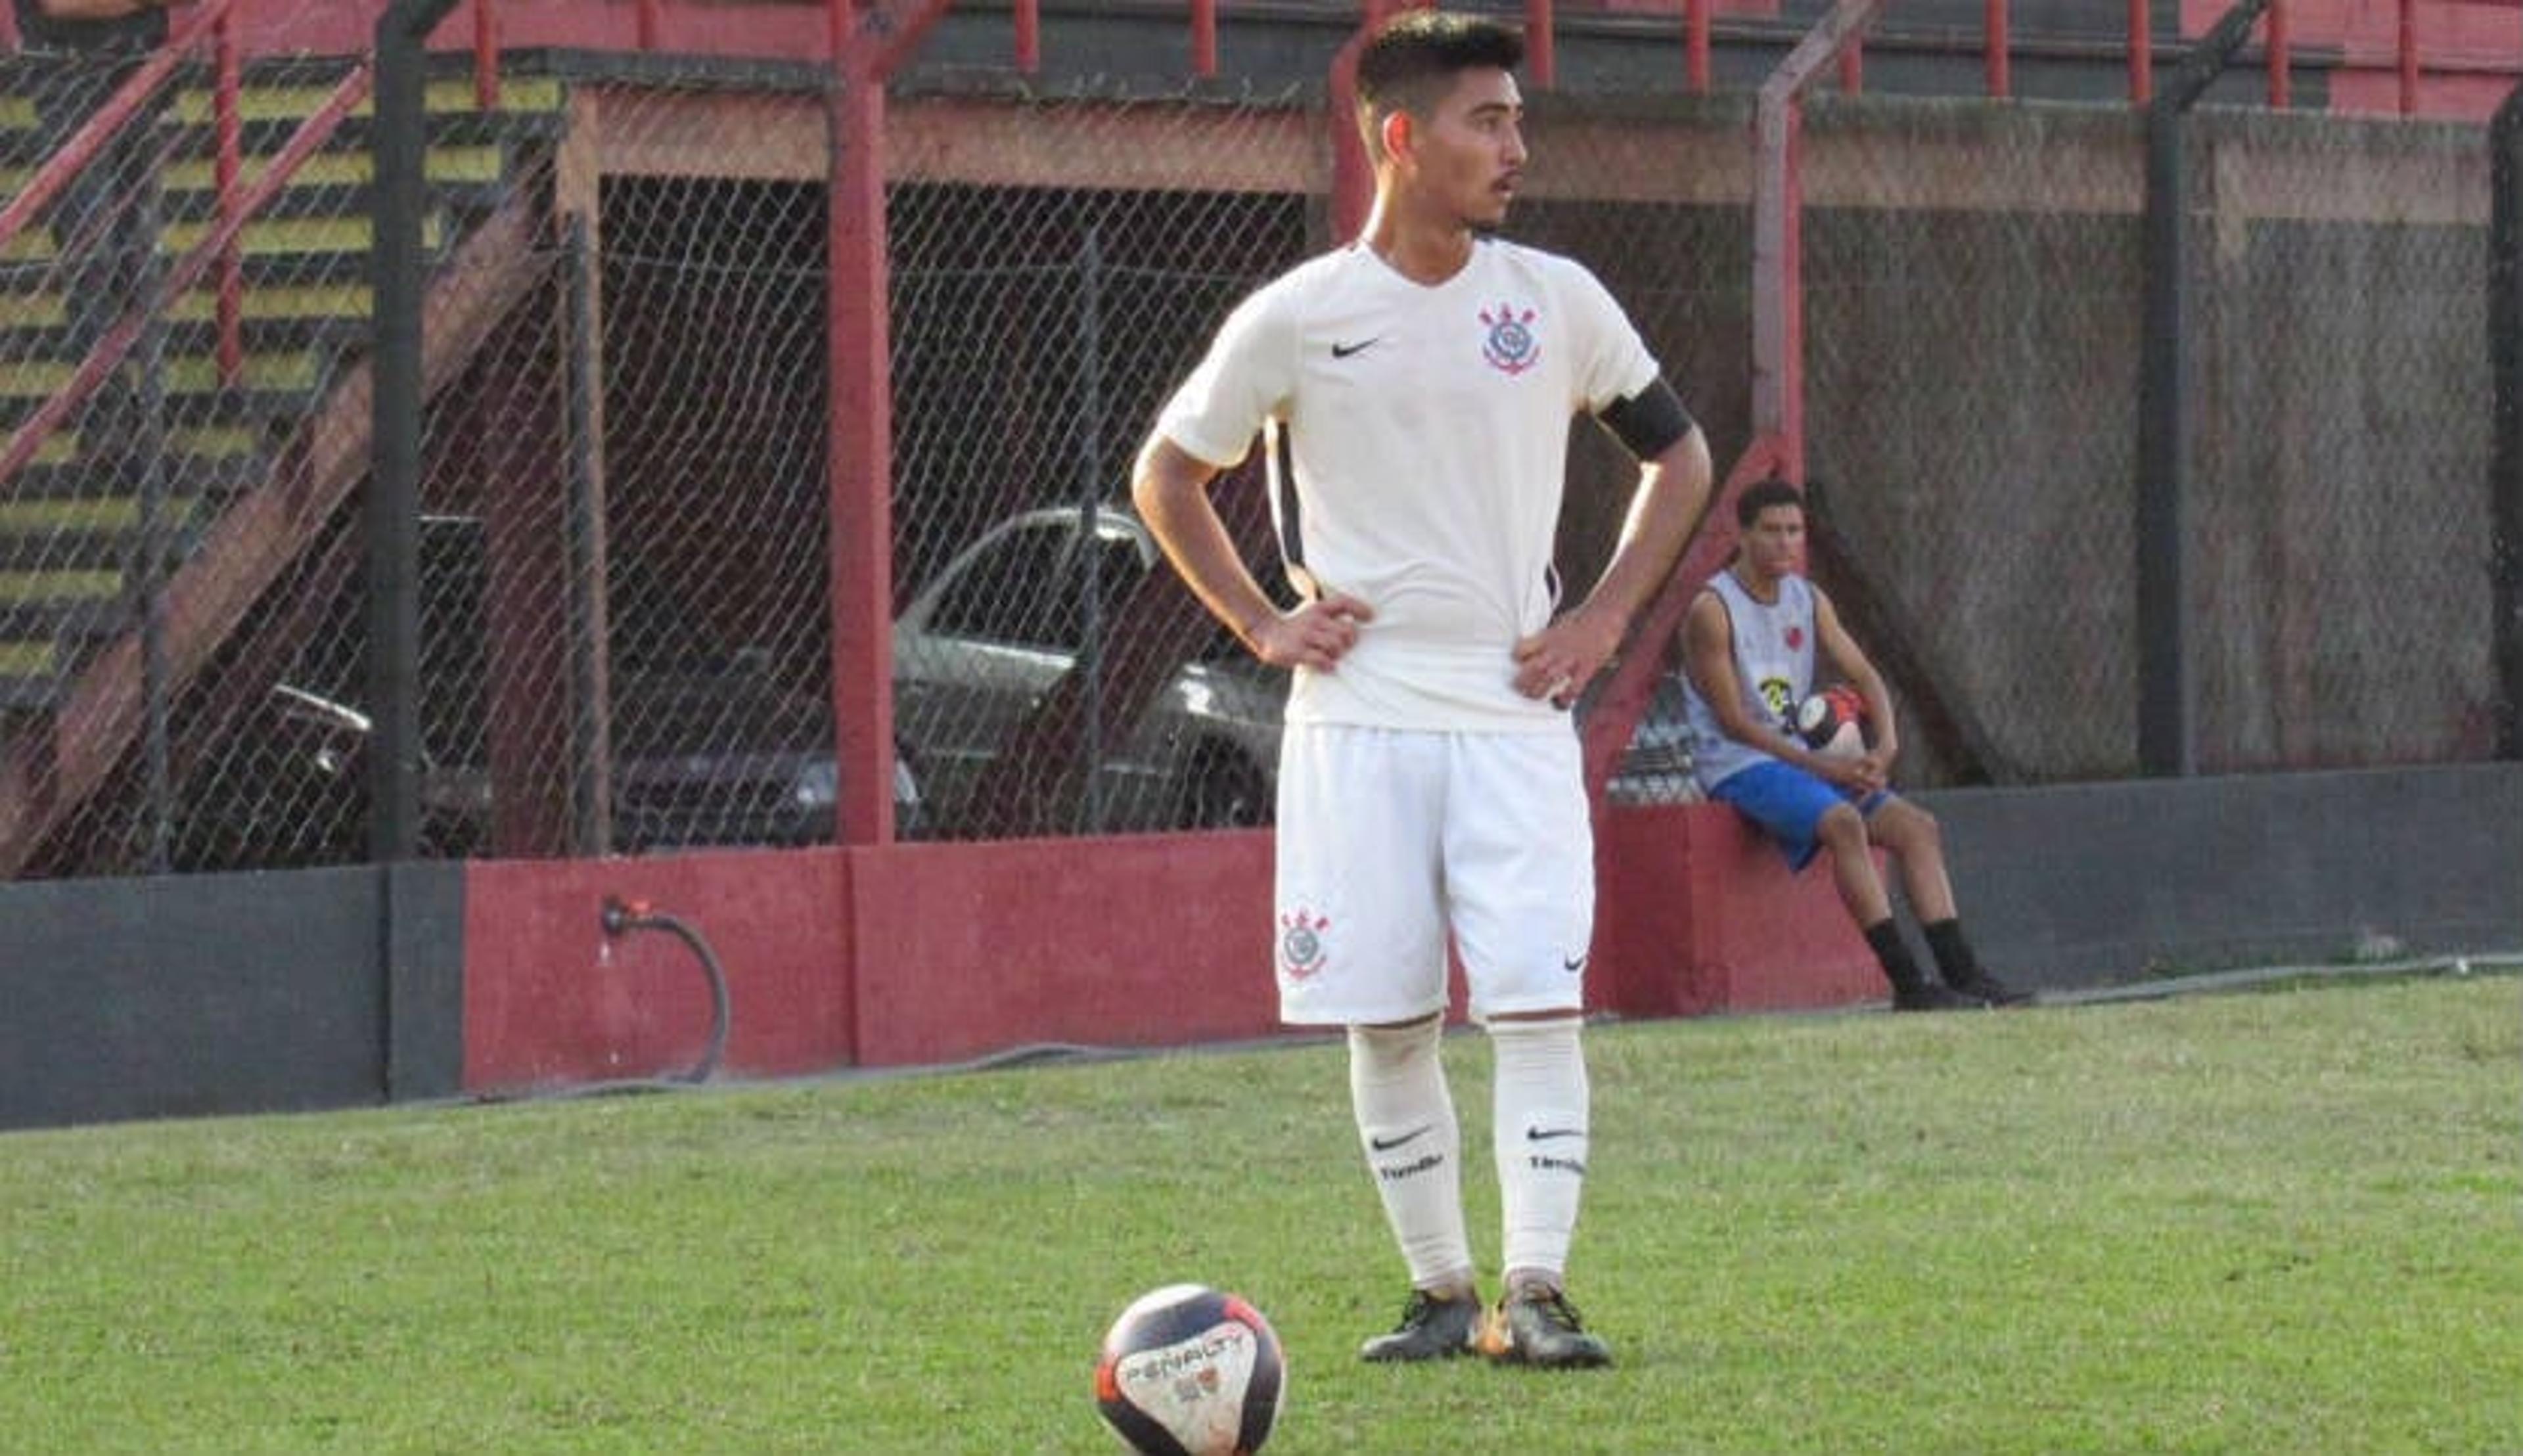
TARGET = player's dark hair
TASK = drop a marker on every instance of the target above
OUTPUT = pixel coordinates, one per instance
(1411, 61)
(1760, 496)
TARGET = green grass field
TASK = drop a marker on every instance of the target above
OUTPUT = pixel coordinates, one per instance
(2284, 1221)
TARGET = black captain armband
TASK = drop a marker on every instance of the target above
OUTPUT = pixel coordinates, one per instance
(1649, 421)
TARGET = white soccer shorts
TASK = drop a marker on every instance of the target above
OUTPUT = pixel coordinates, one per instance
(1389, 840)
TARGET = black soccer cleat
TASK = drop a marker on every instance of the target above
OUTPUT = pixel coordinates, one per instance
(1934, 995)
(1988, 990)
(1537, 1326)
(1432, 1328)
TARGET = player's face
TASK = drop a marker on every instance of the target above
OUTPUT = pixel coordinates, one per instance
(1470, 154)
(1773, 544)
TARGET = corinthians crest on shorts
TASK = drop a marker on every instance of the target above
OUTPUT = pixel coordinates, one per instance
(1511, 346)
(1302, 952)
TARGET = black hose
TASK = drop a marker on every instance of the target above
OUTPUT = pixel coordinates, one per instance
(621, 917)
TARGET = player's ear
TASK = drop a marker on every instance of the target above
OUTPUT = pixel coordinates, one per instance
(1398, 133)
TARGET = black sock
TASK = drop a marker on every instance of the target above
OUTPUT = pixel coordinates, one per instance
(1895, 952)
(1954, 958)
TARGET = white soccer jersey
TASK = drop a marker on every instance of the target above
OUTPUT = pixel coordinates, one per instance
(1424, 431)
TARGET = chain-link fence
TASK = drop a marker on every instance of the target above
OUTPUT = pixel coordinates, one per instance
(1039, 326)
(185, 294)
(2337, 512)
(1973, 303)
(624, 552)
(1653, 194)
(1975, 300)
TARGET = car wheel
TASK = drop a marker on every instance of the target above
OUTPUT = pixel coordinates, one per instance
(1226, 791)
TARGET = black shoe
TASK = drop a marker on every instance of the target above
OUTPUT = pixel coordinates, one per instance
(1537, 1326)
(1432, 1328)
(1934, 995)
(1988, 990)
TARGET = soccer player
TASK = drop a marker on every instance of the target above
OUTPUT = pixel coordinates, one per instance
(1749, 645)
(1415, 390)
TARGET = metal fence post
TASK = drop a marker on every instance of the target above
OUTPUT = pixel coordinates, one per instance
(393, 515)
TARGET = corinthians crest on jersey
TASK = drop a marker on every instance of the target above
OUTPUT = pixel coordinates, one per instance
(1510, 344)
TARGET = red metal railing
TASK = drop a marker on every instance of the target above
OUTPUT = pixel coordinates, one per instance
(1204, 37)
(486, 54)
(117, 112)
(218, 19)
(2001, 60)
(228, 170)
(237, 206)
(2280, 56)
(2141, 53)
(701, 25)
(1697, 28)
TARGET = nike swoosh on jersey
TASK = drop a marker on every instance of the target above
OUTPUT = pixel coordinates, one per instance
(1387, 1145)
(1341, 350)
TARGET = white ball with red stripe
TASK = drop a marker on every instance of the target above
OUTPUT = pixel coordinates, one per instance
(1832, 722)
(1189, 1371)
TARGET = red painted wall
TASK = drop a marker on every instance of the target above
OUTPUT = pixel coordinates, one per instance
(922, 954)
(549, 999)
(1695, 913)
(1150, 940)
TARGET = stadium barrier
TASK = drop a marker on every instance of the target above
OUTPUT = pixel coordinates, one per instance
(177, 997)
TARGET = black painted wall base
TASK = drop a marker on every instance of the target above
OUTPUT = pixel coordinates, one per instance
(229, 993)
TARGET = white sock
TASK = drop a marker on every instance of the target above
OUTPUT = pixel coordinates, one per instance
(1541, 1137)
(1405, 1122)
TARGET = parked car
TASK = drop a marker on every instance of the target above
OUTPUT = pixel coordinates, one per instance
(723, 757)
(710, 745)
(707, 749)
(714, 758)
(979, 646)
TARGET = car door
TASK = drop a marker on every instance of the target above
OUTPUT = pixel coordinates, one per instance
(979, 646)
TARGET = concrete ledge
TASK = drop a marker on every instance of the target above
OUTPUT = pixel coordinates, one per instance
(2089, 884)
(1695, 913)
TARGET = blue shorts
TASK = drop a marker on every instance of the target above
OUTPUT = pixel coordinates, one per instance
(1788, 804)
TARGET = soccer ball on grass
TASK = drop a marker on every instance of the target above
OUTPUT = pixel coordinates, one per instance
(1188, 1371)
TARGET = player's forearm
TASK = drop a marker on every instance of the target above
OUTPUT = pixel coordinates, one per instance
(1170, 490)
(1870, 685)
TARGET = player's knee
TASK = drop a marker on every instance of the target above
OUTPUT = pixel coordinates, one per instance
(1914, 832)
(1843, 829)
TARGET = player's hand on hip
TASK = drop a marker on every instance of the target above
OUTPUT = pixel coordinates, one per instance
(1316, 635)
(1558, 661)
